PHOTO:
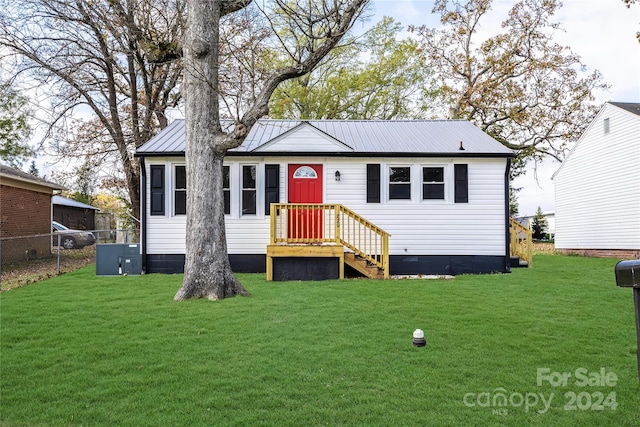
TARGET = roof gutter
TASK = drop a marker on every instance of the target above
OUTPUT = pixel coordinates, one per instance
(507, 216)
(53, 186)
(343, 154)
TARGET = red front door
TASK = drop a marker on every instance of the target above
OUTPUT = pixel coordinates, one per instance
(305, 187)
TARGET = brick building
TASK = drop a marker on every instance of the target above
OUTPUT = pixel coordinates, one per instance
(25, 215)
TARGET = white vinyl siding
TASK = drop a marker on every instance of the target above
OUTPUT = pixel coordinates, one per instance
(165, 233)
(597, 191)
(417, 226)
(429, 227)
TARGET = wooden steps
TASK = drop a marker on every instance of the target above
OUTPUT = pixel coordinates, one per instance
(362, 266)
(356, 262)
(336, 226)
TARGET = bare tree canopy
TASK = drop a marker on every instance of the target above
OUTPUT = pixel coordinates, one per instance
(247, 56)
(519, 86)
(99, 55)
(307, 31)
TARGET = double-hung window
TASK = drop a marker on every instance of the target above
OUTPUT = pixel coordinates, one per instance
(400, 183)
(248, 189)
(433, 183)
(180, 191)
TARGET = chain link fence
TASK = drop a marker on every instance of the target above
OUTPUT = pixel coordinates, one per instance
(29, 259)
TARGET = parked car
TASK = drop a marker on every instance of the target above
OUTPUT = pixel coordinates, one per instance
(71, 239)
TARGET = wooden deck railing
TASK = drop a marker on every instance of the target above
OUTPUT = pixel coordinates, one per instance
(521, 241)
(330, 223)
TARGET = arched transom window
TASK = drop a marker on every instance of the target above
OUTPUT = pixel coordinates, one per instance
(305, 172)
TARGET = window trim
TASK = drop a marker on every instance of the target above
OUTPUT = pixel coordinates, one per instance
(444, 181)
(389, 183)
(254, 189)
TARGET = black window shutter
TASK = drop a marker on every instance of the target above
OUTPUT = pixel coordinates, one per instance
(461, 173)
(157, 190)
(226, 189)
(373, 183)
(180, 193)
(271, 186)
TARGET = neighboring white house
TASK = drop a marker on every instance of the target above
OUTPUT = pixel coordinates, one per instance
(550, 217)
(597, 186)
(440, 188)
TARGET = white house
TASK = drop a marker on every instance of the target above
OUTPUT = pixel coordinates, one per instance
(550, 217)
(439, 188)
(597, 187)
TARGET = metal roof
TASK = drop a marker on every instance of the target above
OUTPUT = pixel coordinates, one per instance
(372, 137)
(632, 107)
(64, 201)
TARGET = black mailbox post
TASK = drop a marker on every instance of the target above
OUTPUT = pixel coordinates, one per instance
(628, 276)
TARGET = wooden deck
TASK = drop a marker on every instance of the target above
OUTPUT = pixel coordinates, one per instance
(327, 231)
(333, 231)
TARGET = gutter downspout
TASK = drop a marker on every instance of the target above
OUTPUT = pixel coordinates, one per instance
(507, 215)
(143, 213)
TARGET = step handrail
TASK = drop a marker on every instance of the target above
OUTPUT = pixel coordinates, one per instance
(521, 241)
(310, 223)
(373, 246)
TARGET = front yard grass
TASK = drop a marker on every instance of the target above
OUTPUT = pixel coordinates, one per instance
(104, 351)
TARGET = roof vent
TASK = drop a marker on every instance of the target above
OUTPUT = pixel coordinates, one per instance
(461, 147)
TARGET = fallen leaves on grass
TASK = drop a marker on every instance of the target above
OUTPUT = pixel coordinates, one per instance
(17, 274)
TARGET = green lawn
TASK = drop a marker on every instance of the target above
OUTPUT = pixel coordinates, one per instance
(118, 351)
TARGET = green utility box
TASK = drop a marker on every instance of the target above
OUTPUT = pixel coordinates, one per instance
(117, 259)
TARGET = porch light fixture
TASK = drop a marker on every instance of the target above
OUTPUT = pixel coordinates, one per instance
(337, 175)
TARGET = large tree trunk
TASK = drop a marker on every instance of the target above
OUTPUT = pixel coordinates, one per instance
(207, 272)
(207, 269)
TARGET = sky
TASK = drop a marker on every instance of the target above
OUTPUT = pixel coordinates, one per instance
(602, 32)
